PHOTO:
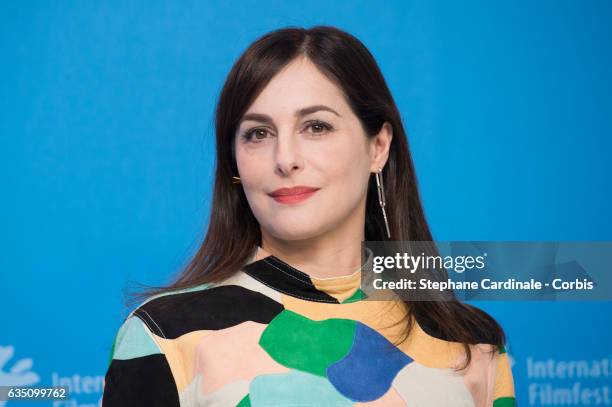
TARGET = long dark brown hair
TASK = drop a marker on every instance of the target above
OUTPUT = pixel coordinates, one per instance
(233, 232)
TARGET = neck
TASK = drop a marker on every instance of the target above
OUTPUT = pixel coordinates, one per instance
(336, 254)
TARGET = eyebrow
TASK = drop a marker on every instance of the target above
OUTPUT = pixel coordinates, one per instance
(264, 118)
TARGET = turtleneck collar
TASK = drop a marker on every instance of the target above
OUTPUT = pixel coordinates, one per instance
(281, 276)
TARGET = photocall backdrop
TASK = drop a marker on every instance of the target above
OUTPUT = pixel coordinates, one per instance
(106, 123)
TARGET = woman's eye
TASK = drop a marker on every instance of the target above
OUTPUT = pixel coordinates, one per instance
(255, 135)
(319, 127)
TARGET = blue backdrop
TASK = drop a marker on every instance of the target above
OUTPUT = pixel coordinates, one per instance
(106, 124)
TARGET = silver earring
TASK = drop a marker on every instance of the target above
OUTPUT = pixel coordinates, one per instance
(381, 198)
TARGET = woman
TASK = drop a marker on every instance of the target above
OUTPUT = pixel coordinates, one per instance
(269, 312)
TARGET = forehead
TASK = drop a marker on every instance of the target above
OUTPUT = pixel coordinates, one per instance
(298, 84)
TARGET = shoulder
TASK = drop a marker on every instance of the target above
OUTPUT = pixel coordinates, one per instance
(435, 319)
(138, 371)
(133, 340)
(139, 332)
(209, 306)
(156, 309)
(503, 388)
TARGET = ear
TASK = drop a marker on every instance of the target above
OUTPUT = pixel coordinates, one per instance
(379, 147)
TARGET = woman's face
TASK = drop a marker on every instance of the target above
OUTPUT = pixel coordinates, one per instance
(300, 132)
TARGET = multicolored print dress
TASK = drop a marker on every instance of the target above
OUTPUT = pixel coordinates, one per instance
(272, 335)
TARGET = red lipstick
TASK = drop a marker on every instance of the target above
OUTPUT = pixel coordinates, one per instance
(293, 195)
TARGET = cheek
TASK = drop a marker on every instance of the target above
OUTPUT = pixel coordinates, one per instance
(345, 173)
(344, 164)
(249, 163)
(253, 175)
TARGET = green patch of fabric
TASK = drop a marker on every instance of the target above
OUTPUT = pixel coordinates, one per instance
(505, 402)
(300, 343)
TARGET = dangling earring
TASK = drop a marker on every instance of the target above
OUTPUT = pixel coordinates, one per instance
(381, 198)
(235, 180)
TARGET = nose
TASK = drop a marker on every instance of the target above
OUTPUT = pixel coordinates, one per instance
(287, 156)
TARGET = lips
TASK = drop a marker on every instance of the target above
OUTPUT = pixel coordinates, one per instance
(293, 195)
(292, 191)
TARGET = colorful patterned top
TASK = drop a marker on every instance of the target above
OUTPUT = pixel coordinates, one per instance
(272, 335)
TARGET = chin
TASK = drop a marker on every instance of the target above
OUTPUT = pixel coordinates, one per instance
(294, 231)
